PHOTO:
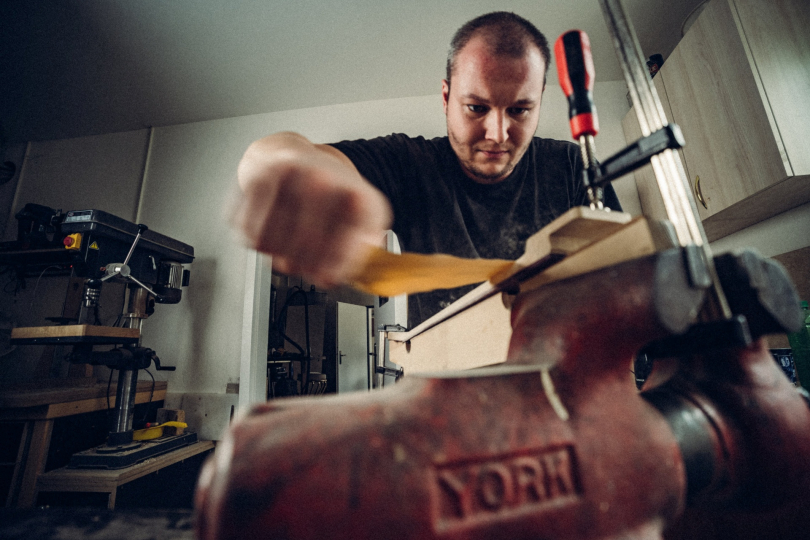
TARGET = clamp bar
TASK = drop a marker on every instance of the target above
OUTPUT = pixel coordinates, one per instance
(679, 202)
(639, 153)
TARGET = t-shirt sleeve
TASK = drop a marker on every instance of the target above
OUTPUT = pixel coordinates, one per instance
(383, 161)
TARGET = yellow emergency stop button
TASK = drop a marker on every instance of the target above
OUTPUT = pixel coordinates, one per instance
(73, 241)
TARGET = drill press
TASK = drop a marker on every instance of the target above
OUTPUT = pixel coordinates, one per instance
(99, 247)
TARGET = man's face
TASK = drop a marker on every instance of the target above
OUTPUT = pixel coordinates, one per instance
(492, 108)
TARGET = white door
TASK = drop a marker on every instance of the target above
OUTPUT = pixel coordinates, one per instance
(352, 348)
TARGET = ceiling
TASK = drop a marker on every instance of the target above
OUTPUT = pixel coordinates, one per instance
(70, 68)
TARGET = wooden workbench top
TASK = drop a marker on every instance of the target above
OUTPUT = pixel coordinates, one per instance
(56, 402)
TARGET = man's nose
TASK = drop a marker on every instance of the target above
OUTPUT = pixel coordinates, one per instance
(497, 126)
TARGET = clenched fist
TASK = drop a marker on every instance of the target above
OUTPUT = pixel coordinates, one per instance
(308, 207)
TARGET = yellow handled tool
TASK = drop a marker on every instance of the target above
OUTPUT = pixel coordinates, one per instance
(153, 432)
(389, 274)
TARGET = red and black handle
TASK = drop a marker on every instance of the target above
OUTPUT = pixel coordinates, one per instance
(575, 69)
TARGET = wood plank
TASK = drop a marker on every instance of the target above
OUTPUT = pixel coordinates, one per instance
(574, 230)
(58, 410)
(74, 330)
(26, 398)
(35, 462)
(479, 335)
(631, 242)
(389, 274)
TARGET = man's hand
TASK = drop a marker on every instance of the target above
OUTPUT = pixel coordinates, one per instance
(308, 207)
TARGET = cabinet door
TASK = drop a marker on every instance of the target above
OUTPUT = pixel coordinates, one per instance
(777, 33)
(714, 97)
(652, 205)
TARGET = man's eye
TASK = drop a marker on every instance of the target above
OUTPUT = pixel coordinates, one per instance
(477, 109)
(518, 111)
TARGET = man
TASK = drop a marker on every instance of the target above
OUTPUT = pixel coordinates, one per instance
(479, 192)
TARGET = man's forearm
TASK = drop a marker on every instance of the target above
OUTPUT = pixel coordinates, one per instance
(309, 207)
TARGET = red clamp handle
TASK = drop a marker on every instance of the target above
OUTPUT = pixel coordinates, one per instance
(575, 69)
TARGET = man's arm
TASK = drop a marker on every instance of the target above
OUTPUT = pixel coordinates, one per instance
(308, 207)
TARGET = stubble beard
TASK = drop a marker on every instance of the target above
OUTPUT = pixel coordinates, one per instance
(487, 178)
(474, 171)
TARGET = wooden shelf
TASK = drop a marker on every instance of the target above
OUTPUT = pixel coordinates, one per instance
(52, 403)
(108, 481)
(74, 333)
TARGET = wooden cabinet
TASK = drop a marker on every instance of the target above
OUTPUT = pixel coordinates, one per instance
(738, 84)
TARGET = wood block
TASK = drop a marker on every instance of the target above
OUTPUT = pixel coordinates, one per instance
(471, 334)
(575, 229)
(632, 241)
(475, 338)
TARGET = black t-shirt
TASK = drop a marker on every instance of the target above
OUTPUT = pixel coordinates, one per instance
(439, 209)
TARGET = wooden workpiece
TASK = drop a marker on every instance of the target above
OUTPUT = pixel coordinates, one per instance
(476, 333)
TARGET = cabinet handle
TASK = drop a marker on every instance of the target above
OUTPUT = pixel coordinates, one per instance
(699, 193)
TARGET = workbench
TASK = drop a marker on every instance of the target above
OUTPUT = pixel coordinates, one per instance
(36, 409)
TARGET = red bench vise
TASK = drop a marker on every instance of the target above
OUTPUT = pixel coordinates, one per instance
(557, 443)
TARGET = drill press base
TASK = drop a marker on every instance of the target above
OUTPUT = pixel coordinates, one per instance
(105, 457)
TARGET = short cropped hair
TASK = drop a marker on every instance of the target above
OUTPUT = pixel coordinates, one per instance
(505, 33)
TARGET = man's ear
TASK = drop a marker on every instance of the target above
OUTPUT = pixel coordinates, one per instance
(445, 94)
